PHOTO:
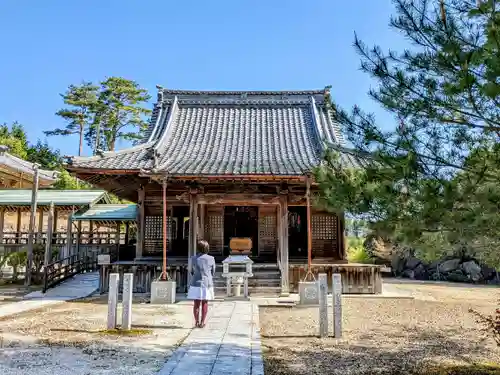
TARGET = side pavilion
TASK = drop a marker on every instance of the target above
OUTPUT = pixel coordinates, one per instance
(225, 164)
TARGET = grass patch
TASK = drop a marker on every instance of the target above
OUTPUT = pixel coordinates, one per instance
(123, 332)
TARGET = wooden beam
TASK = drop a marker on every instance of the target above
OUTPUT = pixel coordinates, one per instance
(238, 199)
(140, 223)
(31, 234)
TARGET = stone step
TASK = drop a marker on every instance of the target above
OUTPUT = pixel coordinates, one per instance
(253, 291)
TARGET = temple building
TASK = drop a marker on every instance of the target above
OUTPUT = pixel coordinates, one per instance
(227, 164)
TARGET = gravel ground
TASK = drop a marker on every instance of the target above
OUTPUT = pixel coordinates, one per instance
(72, 337)
(384, 336)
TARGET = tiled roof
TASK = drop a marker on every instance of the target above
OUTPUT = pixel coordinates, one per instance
(22, 166)
(22, 197)
(229, 133)
(108, 212)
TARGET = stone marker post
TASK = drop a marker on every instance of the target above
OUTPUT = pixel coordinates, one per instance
(323, 304)
(128, 287)
(112, 299)
(337, 305)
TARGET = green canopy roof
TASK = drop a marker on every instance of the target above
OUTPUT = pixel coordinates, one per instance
(108, 212)
(22, 197)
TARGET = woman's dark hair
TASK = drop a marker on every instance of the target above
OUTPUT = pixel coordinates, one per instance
(202, 246)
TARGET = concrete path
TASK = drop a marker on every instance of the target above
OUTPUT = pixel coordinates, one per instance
(79, 286)
(229, 343)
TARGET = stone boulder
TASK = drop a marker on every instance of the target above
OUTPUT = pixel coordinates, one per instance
(472, 269)
(412, 263)
(420, 272)
(457, 276)
(409, 274)
(397, 264)
(449, 265)
(487, 272)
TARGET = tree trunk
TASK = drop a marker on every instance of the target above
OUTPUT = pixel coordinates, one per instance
(80, 149)
(111, 145)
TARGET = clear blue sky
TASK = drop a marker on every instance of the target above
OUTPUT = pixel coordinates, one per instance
(220, 45)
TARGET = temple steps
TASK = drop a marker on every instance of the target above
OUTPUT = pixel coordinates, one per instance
(266, 280)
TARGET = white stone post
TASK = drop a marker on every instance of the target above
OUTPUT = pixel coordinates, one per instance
(128, 284)
(113, 299)
(323, 304)
(337, 305)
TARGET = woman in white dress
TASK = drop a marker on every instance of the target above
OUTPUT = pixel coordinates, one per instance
(201, 288)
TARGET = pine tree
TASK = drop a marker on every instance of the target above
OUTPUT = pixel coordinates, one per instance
(436, 171)
(79, 116)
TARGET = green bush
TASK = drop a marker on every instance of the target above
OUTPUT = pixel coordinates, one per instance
(356, 252)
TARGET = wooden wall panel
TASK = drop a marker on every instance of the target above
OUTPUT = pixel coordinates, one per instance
(214, 228)
(268, 230)
(324, 234)
(153, 234)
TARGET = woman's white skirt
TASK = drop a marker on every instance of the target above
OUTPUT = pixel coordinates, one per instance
(202, 293)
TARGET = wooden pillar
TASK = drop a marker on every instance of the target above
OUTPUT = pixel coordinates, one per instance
(78, 237)
(341, 237)
(69, 236)
(48, 244)
(40, 225)
(309, 232)
(91, 232)
(127, 230)
(193, 229)
(283, 243)
(2, 221)
(31, 234)
(202, 221)
(165, 234)
(18, 225)
(54, 224)
(140, 223)
(117, 240)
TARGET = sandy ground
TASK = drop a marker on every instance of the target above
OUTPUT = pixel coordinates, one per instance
(384, 336)
(71, 337)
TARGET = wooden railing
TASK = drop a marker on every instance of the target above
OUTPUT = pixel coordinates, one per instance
(144, 274)
(60, 270)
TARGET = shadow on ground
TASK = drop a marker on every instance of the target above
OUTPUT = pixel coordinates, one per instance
(421, 354)
(99, 358)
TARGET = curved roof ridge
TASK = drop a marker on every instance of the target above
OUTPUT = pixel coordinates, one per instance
(241, 92)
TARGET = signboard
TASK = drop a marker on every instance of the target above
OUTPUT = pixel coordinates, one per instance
(103, 259)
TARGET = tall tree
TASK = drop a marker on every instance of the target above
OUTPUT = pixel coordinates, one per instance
(436, 170)
(14, 137)
(119, 113)
(79, 115)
